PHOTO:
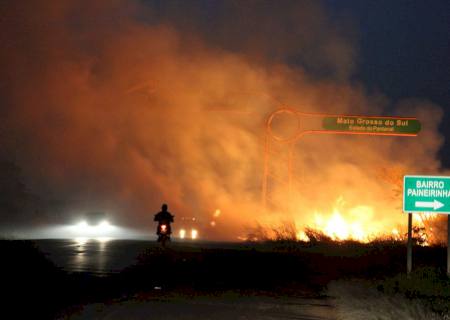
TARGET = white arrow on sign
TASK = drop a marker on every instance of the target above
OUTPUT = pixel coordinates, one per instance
(429, 204)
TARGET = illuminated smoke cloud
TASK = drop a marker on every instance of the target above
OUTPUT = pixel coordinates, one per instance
(115, 106)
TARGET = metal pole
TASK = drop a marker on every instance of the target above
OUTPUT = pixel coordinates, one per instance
(290, 170)
(448, 245)
(409, 246)
(266, 170)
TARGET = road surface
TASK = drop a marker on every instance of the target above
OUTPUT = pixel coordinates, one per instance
(222, 307)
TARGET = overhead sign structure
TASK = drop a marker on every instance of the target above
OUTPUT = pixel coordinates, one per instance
(398, 126)
(426, 194)
(321, 123)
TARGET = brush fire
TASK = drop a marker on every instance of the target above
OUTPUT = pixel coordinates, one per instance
(345, 223)
(127, 116)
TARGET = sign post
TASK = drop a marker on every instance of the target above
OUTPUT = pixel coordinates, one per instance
(448, 245)
(409, 246)
(426, 194)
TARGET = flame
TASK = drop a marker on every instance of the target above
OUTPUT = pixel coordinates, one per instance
(302, 236)
(423, 218)
(359, 223)
(356, 223)
(339, 228)
(395, 231)
(424, 231)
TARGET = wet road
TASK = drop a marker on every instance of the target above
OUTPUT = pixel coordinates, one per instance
(223, 307)
(95, 256)
(104, 256)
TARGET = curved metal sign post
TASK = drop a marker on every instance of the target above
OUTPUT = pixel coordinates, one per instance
(331, 124)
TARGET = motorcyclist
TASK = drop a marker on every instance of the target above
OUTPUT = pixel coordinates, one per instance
(164, 217)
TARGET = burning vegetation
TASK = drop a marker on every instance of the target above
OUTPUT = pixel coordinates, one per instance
(356, 224)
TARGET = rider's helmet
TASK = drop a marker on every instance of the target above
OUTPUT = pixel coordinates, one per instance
(164, 207)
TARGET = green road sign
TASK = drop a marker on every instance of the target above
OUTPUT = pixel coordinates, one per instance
(426, 194)
(397, 126)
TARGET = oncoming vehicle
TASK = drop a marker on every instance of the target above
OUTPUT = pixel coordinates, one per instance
(188, 228)
(92, 225)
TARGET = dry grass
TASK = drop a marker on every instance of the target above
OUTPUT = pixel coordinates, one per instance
(356, 300)
(284, 231)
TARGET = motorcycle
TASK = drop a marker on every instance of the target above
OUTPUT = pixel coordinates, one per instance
(163, 234)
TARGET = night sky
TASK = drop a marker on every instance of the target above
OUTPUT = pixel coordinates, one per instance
(404, 50)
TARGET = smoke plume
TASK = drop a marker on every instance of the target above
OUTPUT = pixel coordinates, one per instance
(120, 106)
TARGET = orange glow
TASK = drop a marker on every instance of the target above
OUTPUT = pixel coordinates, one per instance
(302, 236)
(147, 115)
(338, 228)
(350, 223)
(217, 213)
(358, 223)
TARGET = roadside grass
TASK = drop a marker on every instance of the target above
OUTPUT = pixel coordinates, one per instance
(359, 300)
(430, 286)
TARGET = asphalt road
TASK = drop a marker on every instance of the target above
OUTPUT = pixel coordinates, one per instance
(225, 306)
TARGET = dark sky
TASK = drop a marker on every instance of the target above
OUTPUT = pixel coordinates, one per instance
(404, 50)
